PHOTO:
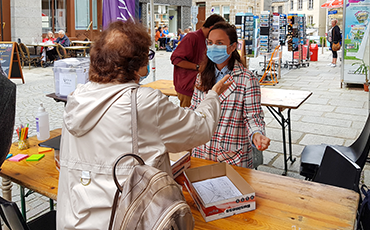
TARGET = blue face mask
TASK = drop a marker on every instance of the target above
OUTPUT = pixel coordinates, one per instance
(143, 77)
(217, 54)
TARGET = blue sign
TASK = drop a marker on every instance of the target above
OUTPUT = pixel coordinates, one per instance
(332, 12)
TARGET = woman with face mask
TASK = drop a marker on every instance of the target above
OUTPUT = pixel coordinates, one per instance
(241, 126)
(97, 126)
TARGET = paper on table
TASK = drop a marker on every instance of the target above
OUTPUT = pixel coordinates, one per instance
(172, 162)
(216, 189)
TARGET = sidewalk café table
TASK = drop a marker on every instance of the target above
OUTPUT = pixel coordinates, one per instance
(41, 44)
(82, 42)
(276, 101)
(72, 49)
(281, 202)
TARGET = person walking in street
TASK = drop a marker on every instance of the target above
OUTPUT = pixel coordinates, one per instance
(334, 38)
(241, 126)
(187, 58)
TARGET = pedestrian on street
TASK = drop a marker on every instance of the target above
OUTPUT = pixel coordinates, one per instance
(241, 126)
(187, 58)
(334, 38)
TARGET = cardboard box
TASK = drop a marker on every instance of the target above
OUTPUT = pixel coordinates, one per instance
(244, 202)
(179, 162)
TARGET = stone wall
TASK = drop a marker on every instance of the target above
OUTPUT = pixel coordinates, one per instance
(26, 20)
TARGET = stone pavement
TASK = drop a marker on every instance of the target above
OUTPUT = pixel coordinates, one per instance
(332, 115)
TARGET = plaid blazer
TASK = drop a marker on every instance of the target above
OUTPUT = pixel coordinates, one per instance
(241, 115)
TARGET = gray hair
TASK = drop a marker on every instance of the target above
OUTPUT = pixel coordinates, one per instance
(62, 32)
(49, 32)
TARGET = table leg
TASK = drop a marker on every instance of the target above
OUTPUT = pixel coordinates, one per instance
(284, 143)
(7, 189)
(23, 203)
(284, 123)
(290, 139)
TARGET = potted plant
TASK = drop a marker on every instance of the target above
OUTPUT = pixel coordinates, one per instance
(363, 69)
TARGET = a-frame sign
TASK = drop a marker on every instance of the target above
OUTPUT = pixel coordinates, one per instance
(10, 63)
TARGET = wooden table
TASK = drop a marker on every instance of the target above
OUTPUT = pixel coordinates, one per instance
(165, 86)
(282, 202)
(276, 101)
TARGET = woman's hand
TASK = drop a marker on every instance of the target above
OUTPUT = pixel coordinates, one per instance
(221, 86)
(260, 141)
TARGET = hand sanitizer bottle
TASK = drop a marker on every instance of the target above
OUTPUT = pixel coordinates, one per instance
(42, 124)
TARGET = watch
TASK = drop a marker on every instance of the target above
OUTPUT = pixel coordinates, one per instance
(197, 67)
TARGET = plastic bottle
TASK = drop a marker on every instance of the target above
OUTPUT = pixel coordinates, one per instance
(42, 124)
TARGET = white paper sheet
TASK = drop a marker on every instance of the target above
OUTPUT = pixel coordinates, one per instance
(216, 189)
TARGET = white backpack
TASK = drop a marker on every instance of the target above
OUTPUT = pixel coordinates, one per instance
(149, 198)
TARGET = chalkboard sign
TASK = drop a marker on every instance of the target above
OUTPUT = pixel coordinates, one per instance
(10, 64)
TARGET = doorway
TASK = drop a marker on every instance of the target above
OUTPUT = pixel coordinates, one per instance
(5, 21)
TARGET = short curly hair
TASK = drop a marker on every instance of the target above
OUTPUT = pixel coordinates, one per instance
(121, 50)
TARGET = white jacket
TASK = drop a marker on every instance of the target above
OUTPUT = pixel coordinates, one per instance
(97, 129)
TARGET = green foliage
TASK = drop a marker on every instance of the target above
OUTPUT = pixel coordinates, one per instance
(322, 41)
(362, 69)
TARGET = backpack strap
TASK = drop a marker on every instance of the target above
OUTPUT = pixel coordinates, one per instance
(134, 154)
(135, 146)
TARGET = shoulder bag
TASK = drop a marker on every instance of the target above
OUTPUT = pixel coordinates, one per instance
(149, 198)
(335, 46)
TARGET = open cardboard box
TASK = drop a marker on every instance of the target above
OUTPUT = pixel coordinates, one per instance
(179, 162)
(223, 208)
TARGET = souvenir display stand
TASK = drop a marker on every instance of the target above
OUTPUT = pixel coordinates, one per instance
(296, 38)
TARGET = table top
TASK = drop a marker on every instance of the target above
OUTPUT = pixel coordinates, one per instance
(283, 98)
(82, 42)
(281, 202)
(43, 44)
(165, 86)
(39, 176)
(284, 203)
(77, 47)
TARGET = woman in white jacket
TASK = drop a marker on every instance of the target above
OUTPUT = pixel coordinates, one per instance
(97, 126)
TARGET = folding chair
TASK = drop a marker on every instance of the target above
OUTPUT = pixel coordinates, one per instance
(13, 218)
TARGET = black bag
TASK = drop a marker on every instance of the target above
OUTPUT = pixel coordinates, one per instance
(363, 218)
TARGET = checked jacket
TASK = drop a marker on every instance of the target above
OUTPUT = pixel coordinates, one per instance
(241, 115)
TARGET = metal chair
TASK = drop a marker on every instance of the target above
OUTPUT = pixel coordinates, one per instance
(62, 52)
(14, 220)
(338, 170)
(358, 152)
(27, 58)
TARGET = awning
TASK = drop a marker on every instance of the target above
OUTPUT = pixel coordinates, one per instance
(333, 4)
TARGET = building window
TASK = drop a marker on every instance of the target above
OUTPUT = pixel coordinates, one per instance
(280, 9)
(250, 9)
(310, 4)
(300, 4)
(310, 21)
(272, 9)
(57, 21)
(82, 14)
(291, 4)
(226, 13)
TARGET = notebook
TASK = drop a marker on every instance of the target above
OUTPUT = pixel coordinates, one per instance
(51, 143)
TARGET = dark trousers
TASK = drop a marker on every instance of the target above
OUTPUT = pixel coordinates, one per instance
(162, 42)
(52, 54)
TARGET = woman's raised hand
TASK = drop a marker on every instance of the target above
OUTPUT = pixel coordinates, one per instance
(221, 86)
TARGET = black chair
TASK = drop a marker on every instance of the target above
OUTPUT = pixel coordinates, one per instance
(358, 152)
(13, 218)
(338, 170)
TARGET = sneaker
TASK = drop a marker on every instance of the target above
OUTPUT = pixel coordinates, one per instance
(330, 64)
(333, 65)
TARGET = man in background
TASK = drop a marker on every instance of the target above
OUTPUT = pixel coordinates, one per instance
(187, 58)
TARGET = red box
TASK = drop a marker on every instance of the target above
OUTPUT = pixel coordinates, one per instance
(179, 162)
(226, 207)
